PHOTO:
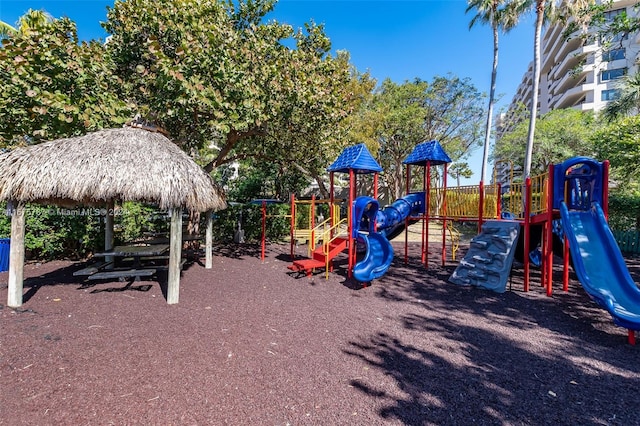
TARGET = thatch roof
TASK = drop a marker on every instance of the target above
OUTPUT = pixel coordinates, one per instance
(126, 164)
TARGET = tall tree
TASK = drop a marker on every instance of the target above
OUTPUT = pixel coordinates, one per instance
(399, 116)
(619, 143)
(55, 86)
(221, 78)
(569, 9)
(561, 134)
(31, 20)
(628, 100)
(502, 16)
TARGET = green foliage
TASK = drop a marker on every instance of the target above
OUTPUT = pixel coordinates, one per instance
(560, 134)
(53, 232)
(619, 142)
(133, 220)
(54, 86)
(225, 82)
(447, 109)
(624, 211)
(266, 180)
(250, 218)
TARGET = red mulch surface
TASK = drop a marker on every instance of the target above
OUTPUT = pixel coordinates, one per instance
(251, 344)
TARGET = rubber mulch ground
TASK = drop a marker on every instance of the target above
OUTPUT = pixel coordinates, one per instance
(248, 344)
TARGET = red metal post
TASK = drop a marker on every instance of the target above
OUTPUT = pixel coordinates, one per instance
(425, 220)
(375, 186)
(498, 201)
(481, 207)
(264, 227)
(565, 266)
(406, 220)
(444, 220)
(527, 230)
(631, 337)
(548, 244)
(350, 222)
(331, 200)
(605, 190)
(292, 235)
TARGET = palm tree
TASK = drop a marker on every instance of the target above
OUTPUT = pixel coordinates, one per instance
(501, 15)
(544, 10)
(628, 103)
(31, 20)
(6, 30)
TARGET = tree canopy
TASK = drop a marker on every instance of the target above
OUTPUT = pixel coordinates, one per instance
(226, 82)
(54, 86)
(560, 134)
(399, 116)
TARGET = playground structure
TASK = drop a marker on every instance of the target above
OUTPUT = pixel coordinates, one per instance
(569, 201)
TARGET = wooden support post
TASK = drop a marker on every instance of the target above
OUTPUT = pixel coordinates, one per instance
(108, 232)
(16, 257)
(208, 241)
(175, 254)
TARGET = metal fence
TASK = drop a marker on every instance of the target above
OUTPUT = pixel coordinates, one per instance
(628, 241)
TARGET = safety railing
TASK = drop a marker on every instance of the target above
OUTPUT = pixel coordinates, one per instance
(318, 234)
(328, 236)
(463, 202)
(513, 196)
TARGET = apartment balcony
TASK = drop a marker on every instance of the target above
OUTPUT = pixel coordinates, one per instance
(570, 62)
(572, 96)
(572, 78)
(575, 45)
(551, 43)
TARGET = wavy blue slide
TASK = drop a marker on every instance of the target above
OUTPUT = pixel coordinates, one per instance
(376, 261)
(600, 266)
(379, 253)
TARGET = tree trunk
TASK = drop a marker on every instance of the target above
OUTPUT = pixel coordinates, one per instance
(536, 86)
(492, 91)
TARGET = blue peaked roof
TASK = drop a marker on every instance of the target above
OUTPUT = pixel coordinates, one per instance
(427, 152)
(356, 158)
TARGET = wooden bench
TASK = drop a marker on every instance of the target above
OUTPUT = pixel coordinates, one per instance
(137, 273)
(92, 269)
(166, 267)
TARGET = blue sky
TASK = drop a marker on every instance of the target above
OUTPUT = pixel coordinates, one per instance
(401, 40)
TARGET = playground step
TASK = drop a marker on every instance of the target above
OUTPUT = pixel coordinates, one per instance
(318, 260)
(336, 247)
(306, 265)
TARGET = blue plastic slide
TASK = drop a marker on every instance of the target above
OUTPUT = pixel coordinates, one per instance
(373, 231)
(600, 266)
(376, 261)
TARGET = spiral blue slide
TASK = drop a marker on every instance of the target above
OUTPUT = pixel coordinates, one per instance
(373, 231)
(600, 266)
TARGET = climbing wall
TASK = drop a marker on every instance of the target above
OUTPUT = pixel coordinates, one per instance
(488, 262)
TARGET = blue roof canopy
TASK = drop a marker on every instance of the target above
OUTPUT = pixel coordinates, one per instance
(427, 152)
(356, 158)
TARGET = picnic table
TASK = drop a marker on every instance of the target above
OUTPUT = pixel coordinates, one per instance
(145, 261)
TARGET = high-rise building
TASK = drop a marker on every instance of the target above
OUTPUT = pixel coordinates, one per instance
(578, 72)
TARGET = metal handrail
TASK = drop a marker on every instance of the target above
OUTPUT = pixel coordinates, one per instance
(327, 239)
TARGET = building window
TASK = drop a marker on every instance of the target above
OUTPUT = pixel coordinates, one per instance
(609, 15)
(610, 95)
(613, 55)
(613, 74)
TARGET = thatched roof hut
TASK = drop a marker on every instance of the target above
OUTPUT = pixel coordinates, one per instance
(127, 164)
